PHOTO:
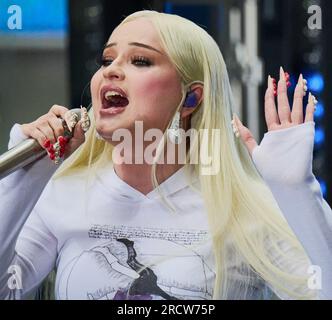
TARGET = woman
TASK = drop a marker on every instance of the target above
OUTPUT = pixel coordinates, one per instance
(211, 229)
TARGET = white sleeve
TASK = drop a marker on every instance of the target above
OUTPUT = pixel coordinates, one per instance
(284, 160)
(26, 258)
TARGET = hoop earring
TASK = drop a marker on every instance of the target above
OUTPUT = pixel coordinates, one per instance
(174, 133)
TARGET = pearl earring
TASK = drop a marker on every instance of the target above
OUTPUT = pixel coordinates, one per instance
(173, 132)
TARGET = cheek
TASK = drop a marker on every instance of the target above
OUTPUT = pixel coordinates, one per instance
(94, 86)
(94, 89)
(162, 90)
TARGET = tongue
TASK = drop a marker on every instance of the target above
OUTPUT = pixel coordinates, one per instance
(118, 101)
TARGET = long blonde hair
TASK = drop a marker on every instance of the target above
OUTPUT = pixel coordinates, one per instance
(244, 219)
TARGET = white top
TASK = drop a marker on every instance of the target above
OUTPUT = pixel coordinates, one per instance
(119, 243)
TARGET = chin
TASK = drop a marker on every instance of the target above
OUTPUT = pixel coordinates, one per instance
(106, 129)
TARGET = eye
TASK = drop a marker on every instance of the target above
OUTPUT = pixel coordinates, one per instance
(141, 61)
(102, 61)
(105, 62)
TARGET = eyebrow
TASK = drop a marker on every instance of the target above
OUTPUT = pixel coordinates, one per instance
(137, 44)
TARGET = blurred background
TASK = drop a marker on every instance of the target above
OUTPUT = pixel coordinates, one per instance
(48, 53)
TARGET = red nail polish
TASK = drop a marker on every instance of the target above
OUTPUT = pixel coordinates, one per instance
(50, 149)
(62, 143)
(288, 84)
(47, 143)
(52, 156)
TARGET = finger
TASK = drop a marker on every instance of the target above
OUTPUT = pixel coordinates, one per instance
(245, 134)
(297, 109)
(78, 132)
(271, 115)
(58, 111)
(283, 104)
(63, 113)
(310, 109)
(71, 119)
(39, 136)
(77, 139)
(45, 127)
(56, 125)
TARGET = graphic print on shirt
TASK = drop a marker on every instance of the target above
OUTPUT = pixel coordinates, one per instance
(156, 265)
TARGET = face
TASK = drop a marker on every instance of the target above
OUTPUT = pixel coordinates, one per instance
(135, 63)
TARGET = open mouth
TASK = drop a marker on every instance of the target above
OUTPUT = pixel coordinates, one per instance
(114, 99)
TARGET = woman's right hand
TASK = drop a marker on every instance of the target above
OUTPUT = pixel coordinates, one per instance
(49, 126)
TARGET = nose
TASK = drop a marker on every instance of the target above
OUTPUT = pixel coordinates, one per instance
(113, 71)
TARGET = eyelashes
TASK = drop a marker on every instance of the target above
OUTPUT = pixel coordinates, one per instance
(139, 61)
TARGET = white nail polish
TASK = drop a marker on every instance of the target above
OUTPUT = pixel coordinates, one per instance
(282, 74)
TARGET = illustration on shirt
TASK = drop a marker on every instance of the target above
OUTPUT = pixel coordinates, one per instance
(129, 268)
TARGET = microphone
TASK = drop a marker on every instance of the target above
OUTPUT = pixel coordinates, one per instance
(24, 153)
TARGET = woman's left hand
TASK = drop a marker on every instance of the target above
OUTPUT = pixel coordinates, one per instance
(286, 150)
(280, 117)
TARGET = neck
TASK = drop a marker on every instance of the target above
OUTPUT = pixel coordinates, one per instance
(138, 176)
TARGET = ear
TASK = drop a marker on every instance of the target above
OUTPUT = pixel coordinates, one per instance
(194, 98)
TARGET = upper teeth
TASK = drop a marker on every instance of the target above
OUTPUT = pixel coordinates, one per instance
(110, 94)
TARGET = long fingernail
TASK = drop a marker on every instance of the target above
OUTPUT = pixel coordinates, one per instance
(300, 81)
(282, 75)
(272, 85)
(312, 99)
(237, 119)
(50, 149)
(47, 143)
(302, 84)
(234, 125)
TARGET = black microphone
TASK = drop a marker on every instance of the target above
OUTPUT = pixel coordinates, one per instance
(24, 153)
